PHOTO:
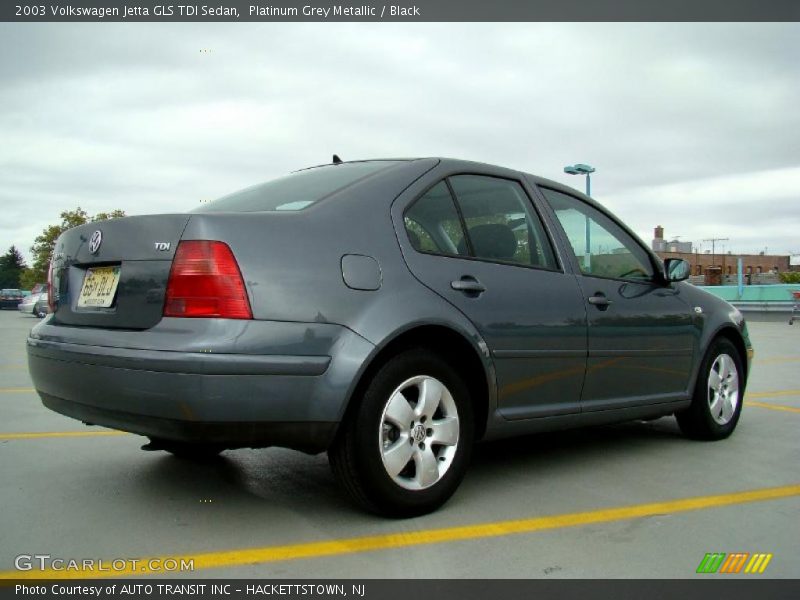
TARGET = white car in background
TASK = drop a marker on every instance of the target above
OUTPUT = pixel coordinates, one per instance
(35, 304)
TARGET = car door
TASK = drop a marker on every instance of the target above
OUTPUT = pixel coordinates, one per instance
(478, 242)
(641, 335)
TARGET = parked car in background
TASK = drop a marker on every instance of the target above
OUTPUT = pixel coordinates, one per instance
(389, 312)
(35, 304)
(10, 298)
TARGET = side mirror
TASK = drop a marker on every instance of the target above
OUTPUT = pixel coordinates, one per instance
(677, 269)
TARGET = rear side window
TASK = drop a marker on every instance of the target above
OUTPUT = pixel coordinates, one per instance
(499, 220)
(501, 224)
(432, 223)
(298, 190)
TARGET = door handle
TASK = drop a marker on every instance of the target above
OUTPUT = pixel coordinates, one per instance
(599, 300)
(468, 285)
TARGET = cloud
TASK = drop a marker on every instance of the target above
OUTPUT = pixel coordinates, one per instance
(754, 211)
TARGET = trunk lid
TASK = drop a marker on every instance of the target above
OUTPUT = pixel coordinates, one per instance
(139, 250)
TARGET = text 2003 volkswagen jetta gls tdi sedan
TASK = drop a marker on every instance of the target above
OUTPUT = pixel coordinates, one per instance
(389, 312)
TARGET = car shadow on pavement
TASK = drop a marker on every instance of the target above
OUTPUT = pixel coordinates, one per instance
(246, 479)
(589, 443)
(279, 481)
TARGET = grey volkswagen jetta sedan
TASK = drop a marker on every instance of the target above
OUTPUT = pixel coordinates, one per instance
(389, 312)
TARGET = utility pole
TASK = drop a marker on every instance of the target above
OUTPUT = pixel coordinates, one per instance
(697, 267)
(713, 248)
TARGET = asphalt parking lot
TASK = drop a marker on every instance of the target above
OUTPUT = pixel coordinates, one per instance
(634, 500)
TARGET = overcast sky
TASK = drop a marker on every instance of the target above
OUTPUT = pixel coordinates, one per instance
(695, 127)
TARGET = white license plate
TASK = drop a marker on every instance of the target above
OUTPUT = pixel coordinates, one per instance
(99, 286)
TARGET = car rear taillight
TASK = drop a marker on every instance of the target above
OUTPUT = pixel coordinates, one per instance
(51, 297)
(205, 281)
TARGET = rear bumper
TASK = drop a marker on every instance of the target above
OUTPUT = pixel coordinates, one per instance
(187, 363)
(309, 436)
(232, 399)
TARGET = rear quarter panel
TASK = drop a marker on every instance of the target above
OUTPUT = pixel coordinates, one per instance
(291, 261)
(292, 266)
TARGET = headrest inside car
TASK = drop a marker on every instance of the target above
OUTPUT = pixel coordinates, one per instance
(492, 241)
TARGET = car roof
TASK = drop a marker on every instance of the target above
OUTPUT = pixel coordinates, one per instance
(450, 162)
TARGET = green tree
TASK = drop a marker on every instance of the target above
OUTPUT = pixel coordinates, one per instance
(11, 267)
(790, 277)
(43, 245)
(28, 279)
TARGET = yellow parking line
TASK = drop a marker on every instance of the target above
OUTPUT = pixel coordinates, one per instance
(777, 359)
(773, 394)
(16, 390)
(60, 434)
(249, 556)
(773, 406)
(57, 434)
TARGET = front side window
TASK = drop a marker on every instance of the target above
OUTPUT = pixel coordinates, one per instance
(501, 224)
(601, 247)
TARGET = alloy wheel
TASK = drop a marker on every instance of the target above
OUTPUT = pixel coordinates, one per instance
(419, 432)
(723, 389)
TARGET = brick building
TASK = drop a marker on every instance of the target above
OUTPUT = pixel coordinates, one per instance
(753, 264)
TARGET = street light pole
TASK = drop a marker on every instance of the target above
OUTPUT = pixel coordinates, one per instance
(587, 256)
(581, 169)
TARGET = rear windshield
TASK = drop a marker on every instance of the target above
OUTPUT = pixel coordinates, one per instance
(298, 190)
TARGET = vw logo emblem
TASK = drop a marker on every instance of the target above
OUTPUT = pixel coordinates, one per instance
(95, 241)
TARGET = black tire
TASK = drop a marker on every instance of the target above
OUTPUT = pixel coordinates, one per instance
(356, 456)
(698, 422)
